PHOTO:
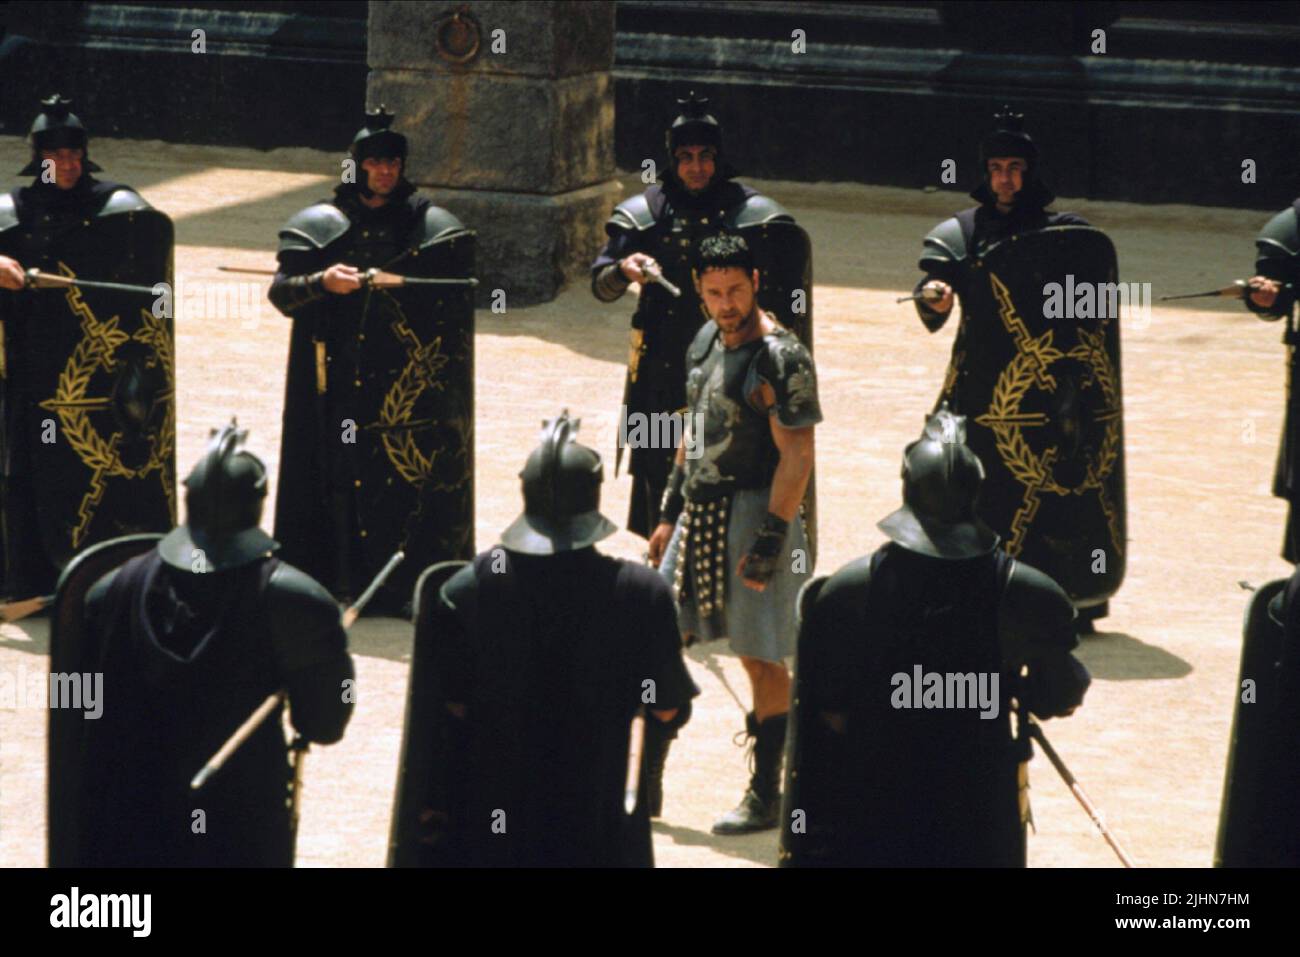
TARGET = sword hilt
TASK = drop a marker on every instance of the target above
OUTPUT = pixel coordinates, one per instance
(653, 274)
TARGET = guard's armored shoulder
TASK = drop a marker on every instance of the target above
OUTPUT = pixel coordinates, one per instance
(97, 595)
(1280, 235)
(123, 200)
(702, 344)
(755, 210)
(8, 212)
(807, 597)
(1035, 612)
(314, 228)
(1277, 606)
(301, 611)
(632, 214)
(848, 583)
(944, 243)
(436, 226)
(829, 601)
(640, 579)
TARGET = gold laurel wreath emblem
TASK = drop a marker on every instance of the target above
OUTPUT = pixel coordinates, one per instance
(424, 365)
(96, 350)
(1029, 365)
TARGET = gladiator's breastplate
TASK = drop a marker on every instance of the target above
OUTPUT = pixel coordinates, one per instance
(736, 449)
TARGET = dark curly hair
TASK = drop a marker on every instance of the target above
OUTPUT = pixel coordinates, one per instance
(723, 251)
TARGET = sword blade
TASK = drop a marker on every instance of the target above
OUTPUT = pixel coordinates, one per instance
(635, 748)
(353, 613)
(254, 720)
(1036, 731)
(44, 280)
(242, 734)
(1236, 291)
(380, 279)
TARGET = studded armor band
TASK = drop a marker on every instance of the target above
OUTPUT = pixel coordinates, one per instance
(610, 283)
(671, 505)
(701, 571)
(303, 290)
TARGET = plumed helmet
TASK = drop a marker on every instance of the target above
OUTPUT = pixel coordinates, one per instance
(561, 486)
(942, 478)
(224, 495)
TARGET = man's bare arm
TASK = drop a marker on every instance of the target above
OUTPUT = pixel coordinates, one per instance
(792, 471)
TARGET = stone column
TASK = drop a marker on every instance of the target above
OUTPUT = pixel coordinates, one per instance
(509, 110)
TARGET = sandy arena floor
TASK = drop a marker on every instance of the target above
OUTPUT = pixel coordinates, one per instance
(1203, 396)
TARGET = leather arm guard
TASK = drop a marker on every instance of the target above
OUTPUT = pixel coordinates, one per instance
(291, 293)
(671, 505)
(763, 555)
(609, 283)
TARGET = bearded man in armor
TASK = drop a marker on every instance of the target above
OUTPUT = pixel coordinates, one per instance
(731, 536)
(655, 234)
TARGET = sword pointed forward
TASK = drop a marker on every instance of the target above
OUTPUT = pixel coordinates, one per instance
(1237, 290)
(45, 280)
(375, 278)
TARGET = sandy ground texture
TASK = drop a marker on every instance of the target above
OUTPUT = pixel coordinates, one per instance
(1203, 393)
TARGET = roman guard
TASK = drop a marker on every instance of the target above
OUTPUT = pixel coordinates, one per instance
(531, 666)
(879, 775)
(1277, 269)
(377, 448)
(87, 360)
(696, 197)
(1035, 369)
(1259, 821)
(189, 636)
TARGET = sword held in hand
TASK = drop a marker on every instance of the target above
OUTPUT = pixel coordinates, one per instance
(653, 274)
(927, 294)
(1035, 731)
(35, 279)
(375, 278)
(267, 707)
(1239, 289)
(379, 279)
